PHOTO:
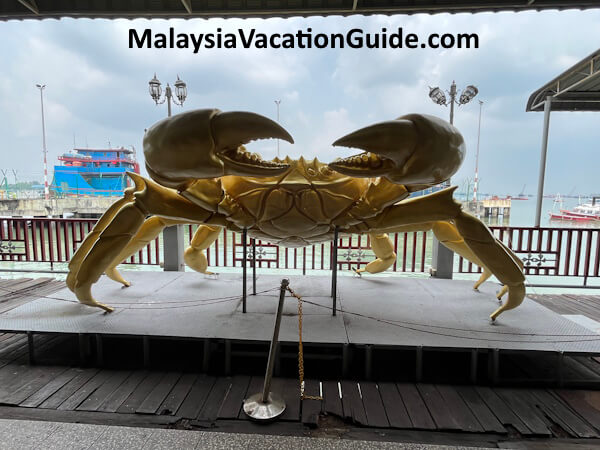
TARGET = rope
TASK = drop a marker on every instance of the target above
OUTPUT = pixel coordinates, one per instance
(303, 396)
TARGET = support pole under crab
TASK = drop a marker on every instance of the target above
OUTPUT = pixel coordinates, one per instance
(253, 266)
(244, 269)
(334, 265)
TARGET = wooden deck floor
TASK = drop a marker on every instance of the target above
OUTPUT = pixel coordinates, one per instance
(204, 400)
(586, 305)
(187, 399)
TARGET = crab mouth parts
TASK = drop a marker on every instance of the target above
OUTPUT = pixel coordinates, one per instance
(241, 156)
(363, 162)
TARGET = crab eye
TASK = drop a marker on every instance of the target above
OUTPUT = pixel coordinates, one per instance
(311, 171)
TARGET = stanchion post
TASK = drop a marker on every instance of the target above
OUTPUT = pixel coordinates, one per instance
(244, 258)
(267, 405)
(253, 266)
(334, 264)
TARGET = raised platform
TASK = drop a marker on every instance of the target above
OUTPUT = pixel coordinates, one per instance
(374, 312)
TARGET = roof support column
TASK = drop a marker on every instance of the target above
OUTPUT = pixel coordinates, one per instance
(540, 193)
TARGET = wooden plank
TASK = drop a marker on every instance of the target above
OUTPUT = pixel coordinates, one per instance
(194, 402)
(56, 399)
(114, 400)
(230, 409)
(373, 404)
(214, 400)
(114, 380)
(255, 386)
(459, 410)
(50, 388)
(85, 391)
(505, 415)
(140, 393)
(311, 409)
(155, 398)
(36, 379)
(177, 395)
(526, 412)
(8, 348)
(7, 336)
(352, 403)
(485, 416)
(332, 403)
(289, 389)
(444, 419)
(585, 403)
(394, 406)
(9, 375)
(22, 288)
(562, 414)
(415, 407)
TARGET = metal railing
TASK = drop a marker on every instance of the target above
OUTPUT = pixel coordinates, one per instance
(546, 252)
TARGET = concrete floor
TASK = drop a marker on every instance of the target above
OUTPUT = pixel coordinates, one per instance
(24, 434)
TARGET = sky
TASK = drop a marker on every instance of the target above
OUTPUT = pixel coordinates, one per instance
(97, 88)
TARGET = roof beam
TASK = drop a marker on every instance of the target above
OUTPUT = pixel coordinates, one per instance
(187, 5)
(30, 5)
(564, 92)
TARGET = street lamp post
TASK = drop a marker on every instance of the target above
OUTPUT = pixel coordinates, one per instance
(443, 257)
(476, 183)
(173, 241)
(278, 102)
(44, 150)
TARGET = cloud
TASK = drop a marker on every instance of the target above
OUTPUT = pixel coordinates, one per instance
(97, 87)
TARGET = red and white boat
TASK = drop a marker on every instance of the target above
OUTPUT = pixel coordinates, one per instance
(586, 212)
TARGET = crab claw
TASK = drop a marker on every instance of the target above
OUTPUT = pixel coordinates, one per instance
(413, 149)
(208, 143)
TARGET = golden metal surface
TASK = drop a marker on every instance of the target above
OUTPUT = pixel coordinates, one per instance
(203, 174)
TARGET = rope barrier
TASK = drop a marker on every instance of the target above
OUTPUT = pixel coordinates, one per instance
(303, 396)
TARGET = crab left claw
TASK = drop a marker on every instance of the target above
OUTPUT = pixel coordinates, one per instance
(413, 149)
(209, 143)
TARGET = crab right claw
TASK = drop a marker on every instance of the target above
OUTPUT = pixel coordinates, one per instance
(414, 149)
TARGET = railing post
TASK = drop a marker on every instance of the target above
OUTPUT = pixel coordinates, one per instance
(173, 248)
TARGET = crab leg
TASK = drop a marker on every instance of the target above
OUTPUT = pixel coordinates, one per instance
(149, 230)
(445, 232)
(384, 250)
(481, 245)
(92, 237)
(149, 198)
(194, 255)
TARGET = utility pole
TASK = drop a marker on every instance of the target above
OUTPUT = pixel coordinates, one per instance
(44, 150)
(278, 102)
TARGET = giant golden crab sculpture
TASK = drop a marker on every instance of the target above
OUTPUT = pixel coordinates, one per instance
(203, 175)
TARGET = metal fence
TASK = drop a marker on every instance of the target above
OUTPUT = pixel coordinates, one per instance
(546, 252)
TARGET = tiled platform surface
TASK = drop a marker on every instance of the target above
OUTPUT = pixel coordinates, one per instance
(383, 311)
